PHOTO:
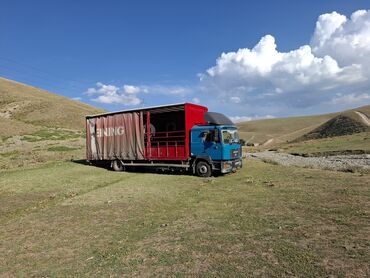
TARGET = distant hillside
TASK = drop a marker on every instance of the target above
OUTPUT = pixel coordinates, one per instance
(272, 131)
(346, 123)
(275, 131)
(24, 109)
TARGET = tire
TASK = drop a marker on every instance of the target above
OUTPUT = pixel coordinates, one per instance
(203, 169)
(117, 166)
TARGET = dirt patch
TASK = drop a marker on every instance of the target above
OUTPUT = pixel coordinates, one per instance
(8, 110)
(364, 118)
(268, 142)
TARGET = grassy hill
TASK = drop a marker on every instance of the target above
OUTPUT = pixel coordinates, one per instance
(281, 129)
(272, 132)
(38, 126)
(338, 126)
(29, 108)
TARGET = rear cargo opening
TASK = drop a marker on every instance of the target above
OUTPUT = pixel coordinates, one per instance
(167, 136)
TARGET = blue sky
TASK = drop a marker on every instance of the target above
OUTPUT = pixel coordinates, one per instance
(125, 54)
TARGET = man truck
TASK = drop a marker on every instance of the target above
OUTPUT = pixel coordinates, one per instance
(178, 136)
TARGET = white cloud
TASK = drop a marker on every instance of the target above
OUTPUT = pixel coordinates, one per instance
(337, 61)
(238, 119)
(345, 40)
(131, 95)
(130, 89)
(235, 99)
(109, 94)
(351, 99)
(196, 100)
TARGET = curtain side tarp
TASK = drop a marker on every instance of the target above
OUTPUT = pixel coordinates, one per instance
(118, 136)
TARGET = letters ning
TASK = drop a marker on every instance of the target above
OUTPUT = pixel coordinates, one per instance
(109, 131)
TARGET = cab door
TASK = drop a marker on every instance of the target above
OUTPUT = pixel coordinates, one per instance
(212, 143)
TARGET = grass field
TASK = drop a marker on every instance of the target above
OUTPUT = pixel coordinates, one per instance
(44, 145)
(65, 218)
(356, 143)
(61, 218)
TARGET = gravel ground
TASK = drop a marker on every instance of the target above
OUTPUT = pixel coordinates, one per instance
(337, 162)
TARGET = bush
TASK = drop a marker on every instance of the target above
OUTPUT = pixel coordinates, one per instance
(242, 142)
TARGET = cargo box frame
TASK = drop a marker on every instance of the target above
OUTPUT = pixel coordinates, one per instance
(167, 131)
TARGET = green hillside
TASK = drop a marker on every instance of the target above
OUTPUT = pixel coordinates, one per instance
(37, 126)
(24, 109)
(281, 129)
(276, 131)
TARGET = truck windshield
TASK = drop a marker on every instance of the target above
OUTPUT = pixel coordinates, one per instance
(230, 136)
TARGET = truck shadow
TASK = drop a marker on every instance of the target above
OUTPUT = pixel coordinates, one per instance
(107, 165)
(99, 164)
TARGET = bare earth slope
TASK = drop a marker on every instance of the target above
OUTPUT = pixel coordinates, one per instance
(363, 117)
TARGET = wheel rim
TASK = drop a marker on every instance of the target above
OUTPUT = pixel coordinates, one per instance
(203, 169)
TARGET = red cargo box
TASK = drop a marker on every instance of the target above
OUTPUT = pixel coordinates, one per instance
(153, 133)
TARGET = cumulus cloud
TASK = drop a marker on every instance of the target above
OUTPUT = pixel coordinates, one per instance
(351, 99)
(131, 95)
(109, 94)
(333, 69)
(345, 40)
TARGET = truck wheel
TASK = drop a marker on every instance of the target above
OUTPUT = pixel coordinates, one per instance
(117, 165)
(203, 169)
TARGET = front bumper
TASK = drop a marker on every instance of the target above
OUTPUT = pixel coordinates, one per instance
(231, 165)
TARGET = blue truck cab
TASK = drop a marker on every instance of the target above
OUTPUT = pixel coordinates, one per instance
(215, 146)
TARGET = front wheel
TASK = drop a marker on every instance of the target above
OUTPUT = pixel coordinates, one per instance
(203, 169)
(117, 166)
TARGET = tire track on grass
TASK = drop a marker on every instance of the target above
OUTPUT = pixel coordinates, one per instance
(53, 201)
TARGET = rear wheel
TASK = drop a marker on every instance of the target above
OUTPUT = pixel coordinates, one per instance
(117, 166)
(203, 169)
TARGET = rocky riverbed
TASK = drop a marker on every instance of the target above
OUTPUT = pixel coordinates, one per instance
(348, 163)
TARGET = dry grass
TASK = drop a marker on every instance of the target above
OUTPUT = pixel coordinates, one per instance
(283, 130)
(65, 219)
(39, 126)
(61, 218)
(28, 107)
(349, 144)
(44, 145)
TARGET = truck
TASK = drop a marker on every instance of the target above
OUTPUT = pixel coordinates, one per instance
(182, 136)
